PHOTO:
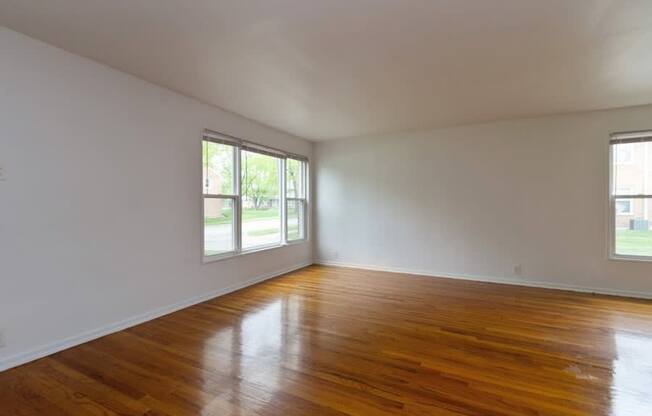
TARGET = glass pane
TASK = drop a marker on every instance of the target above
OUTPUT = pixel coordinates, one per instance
(295, 216)
(261, 216)
(294, 179)
(633, 231)
(632, 168)
(218, 168)
(218, 226)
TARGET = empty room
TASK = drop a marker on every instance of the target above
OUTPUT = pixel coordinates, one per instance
(325, 207)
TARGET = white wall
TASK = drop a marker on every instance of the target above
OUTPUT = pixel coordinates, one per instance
(99, 212)
(475, 201)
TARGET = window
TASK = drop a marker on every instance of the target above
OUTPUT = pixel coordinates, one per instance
(295, 180)
(623, 155)
(220, 198)
(624, 206)
(631, 196)
(261, 198)
(254, 197)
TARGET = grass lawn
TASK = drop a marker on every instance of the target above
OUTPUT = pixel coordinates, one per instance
(254, 215)
(247, 215)
(634, 242)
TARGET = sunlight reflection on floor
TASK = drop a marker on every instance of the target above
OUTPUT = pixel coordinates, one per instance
(632, 378)
(256, 346)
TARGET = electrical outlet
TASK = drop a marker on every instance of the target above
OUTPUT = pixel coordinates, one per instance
(518, 270)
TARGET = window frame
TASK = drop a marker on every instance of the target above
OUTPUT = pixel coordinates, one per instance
(630, 201)
(303, 200)
(261, 247)
(642, 136)
(239, 145)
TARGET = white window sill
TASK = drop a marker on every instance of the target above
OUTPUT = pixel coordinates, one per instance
(620, 257)
(226, 256)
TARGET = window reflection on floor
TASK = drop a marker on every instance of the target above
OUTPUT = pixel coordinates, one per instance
(632, 378)
(262, 332)
(261, 335)
(256, 347)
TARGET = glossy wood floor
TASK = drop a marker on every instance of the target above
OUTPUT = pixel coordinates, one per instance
(332, 341)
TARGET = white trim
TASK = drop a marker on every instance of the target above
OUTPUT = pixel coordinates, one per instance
(303, 199)
(636, 136)
(253, 250)
(282, 201)
(45, 350)
(626, 257)
(491, 279)
(638, 196)
(223, 138)
(611, 203)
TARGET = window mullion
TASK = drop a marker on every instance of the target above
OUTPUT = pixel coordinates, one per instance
(638, 196)
(220, 196)
(283, 200)
(304, 189)
(238, 199)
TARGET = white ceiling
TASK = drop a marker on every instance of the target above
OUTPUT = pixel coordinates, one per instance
(324, 69)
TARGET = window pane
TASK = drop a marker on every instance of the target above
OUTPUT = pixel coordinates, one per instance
(295, 218)
(218, 226)
(632, 168)
(623, 207)
(261, 216)
(294, 179)
(218, 169)
(633, 233)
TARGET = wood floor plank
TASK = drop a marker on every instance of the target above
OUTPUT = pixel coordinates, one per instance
(337, 342)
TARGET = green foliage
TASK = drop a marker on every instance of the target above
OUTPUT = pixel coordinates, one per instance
(293, 177)
(247, 215)
(260, 174)
(260, 180)
(217, 160)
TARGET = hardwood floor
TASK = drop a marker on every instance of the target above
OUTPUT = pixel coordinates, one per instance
(333, 341)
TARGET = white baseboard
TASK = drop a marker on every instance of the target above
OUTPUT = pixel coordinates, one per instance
(491, 279)
(45, 350)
